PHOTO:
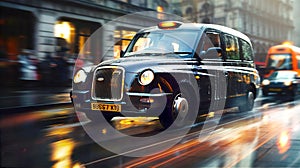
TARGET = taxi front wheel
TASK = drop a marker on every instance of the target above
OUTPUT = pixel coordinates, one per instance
(179, 108)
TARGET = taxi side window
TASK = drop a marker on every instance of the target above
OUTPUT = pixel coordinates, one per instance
(141, 44)
(232, 48)
(211, 39)
(246, 50)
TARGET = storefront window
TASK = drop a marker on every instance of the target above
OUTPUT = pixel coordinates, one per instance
(64, 30)
(17, 32)
(122, 40)
(76, 34)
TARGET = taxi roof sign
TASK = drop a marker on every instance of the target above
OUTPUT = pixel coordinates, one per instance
(169, 24)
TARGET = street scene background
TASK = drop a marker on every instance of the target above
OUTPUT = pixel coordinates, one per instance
(41, 45)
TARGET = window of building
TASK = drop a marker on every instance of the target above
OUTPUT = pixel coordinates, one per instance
(76, 34)
(232, 49)
(122, 38)
(65, 30)
(17, 32)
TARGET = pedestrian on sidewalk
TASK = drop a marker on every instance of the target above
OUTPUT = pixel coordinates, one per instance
(45, 69)
(60, 68)
(27, 68)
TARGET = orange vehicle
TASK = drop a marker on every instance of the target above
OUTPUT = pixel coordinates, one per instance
(282, 57)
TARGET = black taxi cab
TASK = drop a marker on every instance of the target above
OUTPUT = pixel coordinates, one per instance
(171, 71)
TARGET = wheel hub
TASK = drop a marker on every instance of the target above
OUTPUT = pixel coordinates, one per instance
(181, 105)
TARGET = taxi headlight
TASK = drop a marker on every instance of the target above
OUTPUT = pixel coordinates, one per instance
(80, 76)
(287, 83)
(146, 77)
(265, 82)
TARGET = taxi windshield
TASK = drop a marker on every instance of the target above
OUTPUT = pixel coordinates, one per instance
(280, 61)
(163, 42)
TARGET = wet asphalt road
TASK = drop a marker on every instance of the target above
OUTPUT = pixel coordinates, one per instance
(269, 136)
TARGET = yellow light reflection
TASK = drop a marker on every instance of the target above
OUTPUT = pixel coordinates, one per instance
(63, 163)
(130, 122)
(104, 131)
(77, 165)
(60, 131)
(287, 43)
(159, 10)
(61, 154)
(283, 142)
(211, 114)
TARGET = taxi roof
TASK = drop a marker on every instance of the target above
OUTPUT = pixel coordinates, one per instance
(283, 48)
(202, 27)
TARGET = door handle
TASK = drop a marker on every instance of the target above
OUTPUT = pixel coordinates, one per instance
(226, 73)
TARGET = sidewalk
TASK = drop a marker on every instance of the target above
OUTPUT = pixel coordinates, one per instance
(14, 99)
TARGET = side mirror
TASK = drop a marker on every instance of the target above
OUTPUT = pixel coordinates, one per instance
(212, 53)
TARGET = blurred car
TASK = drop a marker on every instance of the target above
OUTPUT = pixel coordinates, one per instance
(283, 81)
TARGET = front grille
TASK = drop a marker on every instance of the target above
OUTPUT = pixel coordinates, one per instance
(108, 83)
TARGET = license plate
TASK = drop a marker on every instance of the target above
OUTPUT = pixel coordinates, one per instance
(106, 107)
(275, 89)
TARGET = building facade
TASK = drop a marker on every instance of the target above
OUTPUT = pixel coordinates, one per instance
(296, 14)
(267, 22)
(48, 27)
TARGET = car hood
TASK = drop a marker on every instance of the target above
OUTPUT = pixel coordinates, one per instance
(156, 63)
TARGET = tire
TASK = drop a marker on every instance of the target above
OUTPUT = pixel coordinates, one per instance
(249, 102)
(185, 103)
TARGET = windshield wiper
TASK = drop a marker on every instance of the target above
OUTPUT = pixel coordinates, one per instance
(179, 52)
(157, 54)
(142, 54)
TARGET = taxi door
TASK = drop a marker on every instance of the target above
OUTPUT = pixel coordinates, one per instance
(232, 67)
(213, 76)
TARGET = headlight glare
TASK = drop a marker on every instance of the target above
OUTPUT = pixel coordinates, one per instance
(146, 77)
(287, 83)
(80, 76)
(265, 82)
